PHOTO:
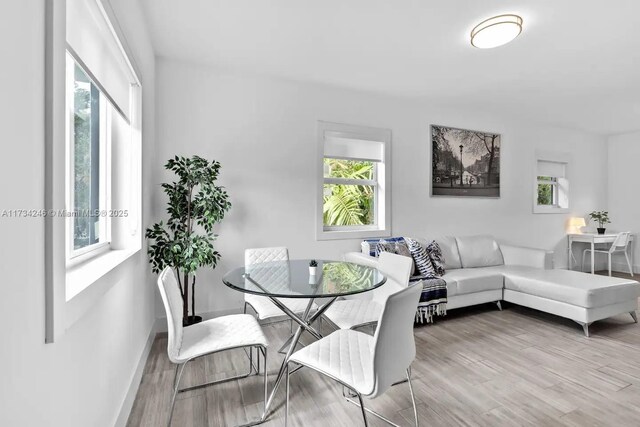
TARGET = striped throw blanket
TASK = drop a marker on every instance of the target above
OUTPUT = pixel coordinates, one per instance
(433, 301)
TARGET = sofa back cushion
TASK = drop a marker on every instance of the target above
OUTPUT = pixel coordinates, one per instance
(479, 251)
(449, 248)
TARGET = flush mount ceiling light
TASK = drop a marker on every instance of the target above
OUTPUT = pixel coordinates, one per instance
(496, 31)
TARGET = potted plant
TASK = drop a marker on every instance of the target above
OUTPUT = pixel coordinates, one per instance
(602, 218)
(185, 241)
(313, 265)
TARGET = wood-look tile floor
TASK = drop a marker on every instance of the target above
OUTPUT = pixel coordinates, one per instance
(476, 367)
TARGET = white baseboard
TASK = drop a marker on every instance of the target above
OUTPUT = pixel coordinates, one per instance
(130, 397)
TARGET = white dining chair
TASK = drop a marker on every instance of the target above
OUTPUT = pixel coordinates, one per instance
(619, 246)
(263, 307)
(208, 337)
(361, 311)
(368, 365)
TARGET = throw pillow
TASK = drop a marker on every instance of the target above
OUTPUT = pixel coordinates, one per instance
(421, 259)
(398, 247)
(436, 256)
(369, 246)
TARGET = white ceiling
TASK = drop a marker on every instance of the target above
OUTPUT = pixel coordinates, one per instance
(576, 63)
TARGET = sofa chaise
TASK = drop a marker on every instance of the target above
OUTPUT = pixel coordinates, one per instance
(479, 270)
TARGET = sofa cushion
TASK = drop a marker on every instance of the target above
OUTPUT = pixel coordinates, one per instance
(467, 281)
(449, 249)
(479, 251)
(571, 287)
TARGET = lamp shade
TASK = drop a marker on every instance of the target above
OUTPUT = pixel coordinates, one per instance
(577, 222)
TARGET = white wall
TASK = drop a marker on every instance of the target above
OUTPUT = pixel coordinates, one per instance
(624, 203)
(82, 379)
(263, 131)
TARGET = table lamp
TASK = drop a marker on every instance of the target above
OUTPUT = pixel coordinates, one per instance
(575, 224)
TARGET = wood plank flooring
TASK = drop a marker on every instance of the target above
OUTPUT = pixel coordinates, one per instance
(476, 367)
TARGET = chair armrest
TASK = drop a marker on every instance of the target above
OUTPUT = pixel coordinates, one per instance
(530, 257)
(360, 258)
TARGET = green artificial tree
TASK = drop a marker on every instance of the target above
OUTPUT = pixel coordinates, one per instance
(185, 241)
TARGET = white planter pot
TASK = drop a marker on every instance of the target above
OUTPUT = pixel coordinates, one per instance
(312, 271)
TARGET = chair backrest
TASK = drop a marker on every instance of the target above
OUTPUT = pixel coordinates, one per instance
(622, 240)
(394, 344)
(259, 255)
(172, 300)
(397, 268)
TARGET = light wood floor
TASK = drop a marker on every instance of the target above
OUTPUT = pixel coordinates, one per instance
(476, 367)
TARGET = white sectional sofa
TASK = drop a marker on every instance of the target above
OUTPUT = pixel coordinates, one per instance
(479, 270)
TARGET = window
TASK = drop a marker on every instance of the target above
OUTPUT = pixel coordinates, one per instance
(547, 191)
(552, 187)
(353, 199)
(88, 177)
(102, 99)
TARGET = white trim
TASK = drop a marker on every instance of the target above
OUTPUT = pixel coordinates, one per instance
(136, 379)
(381, 182)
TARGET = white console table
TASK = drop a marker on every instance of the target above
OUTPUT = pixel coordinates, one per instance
(593, 239)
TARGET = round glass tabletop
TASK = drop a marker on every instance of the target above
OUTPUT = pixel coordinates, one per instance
(292, 279)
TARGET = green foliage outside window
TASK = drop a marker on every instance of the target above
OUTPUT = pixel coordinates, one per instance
(545, 191)
(349, 204)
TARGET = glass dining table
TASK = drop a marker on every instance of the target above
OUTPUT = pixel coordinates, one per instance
(293, 279)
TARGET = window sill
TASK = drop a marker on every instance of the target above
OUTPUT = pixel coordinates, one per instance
(81, 276)
(351, 234)
(549, 210)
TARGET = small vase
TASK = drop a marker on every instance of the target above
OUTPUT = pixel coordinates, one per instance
(312, 271)
(601, 230)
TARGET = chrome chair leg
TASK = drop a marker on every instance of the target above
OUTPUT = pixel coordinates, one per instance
(266, 382)
(286, 402)
(364, 412)
(413, 397)
(179, 371)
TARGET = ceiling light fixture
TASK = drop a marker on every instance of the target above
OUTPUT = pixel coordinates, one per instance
(496, 31)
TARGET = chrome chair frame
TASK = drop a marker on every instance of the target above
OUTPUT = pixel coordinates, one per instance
(180, 370)
(359, 403)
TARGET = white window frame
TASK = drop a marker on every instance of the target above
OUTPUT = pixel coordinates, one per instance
(75, 284)
(381, 183)
(560, 184)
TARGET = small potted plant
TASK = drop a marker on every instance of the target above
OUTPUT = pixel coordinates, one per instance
(602, 218)
(313, 265)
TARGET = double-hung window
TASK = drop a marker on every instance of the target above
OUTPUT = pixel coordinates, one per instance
(354, 189)
(102, 103)
(551, 193)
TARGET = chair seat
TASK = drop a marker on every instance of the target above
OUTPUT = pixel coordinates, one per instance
(348, 314)
(221, 333)
(346, 355)
(266, 309)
